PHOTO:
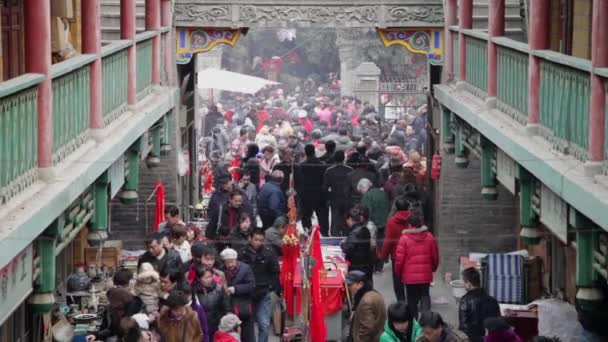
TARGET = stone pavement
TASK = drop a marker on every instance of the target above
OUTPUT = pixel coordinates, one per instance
(442, 300)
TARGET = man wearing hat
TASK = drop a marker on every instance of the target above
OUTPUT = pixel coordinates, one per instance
(369, 315)
(241, 287)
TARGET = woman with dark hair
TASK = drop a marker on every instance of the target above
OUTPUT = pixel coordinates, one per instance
(211, 297)
(121, 304)
(400, 326)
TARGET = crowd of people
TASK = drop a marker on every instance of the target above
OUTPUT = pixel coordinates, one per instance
(351, 173)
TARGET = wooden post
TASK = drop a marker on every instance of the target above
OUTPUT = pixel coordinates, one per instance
(153, 24)
(597, 112)
(450, 19)
(496, 28)
(127, 32)
(37, 17)
(91, 44)
(538, 39)
(466, 22)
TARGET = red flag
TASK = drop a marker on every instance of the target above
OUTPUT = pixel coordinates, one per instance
(318, 330)
(159, 210)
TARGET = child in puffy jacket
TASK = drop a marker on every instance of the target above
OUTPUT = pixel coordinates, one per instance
(147, 287)
(417, 258)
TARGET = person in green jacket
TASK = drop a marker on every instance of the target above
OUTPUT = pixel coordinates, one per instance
(376, 201)
(400, 326)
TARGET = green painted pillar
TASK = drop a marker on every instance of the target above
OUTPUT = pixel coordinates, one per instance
(99, 229)
(462, 158)
(43, 299)
(589, 295)
(153, 159)
(488, 176)
(528, 218)
(446, 130)
(167, 136)
(129, 193)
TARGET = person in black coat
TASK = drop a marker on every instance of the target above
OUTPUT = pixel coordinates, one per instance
(334, 189)
(286, 166)
(121, 304)
(271, 199)
(330, 151)
(475, 306)
(265, 265)
(357, 246)
(228, 219)
(241, 288)
(309, 183)
(251, 164)
(161, 258)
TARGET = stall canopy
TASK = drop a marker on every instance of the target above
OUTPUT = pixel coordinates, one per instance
(231, 81)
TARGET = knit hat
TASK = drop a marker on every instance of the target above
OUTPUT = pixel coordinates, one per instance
(229, 322)
(228, 254)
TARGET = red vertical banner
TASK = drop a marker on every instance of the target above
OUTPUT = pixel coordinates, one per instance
(318, 330)
(159, 210)
(291, 252)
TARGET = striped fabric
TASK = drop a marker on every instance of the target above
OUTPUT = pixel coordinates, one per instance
(504, 277)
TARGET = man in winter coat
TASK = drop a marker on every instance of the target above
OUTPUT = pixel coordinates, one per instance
(228, 219)
(286, 166)
(241, 287)
(219, 200)
(274, 235)
(417, 258)
(180, 322)
(352, 180)
(357, 246)
(394, 226)
(475, 306)
(161, 258)
(434, 329)
(369, 315)
(330, 150)
(271, 199)
(376, 201)
(334, 188)
(309, 182)
(265, 265)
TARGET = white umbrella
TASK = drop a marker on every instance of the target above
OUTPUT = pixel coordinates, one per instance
(231, 81)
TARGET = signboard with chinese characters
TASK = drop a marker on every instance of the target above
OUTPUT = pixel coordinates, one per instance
(554, 213)
(116, 174)
(505, 170)
(15, 282)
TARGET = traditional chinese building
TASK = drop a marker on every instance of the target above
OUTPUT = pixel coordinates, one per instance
(79, 116)
(533, 114)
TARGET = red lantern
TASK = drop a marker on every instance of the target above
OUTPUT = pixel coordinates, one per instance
(436, 167)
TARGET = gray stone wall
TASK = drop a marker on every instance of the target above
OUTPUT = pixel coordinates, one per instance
(468, 223)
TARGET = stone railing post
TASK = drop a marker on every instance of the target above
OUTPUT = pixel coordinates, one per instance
(538, 39)
(496, 28)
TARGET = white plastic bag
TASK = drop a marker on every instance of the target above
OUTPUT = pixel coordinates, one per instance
(557, 318)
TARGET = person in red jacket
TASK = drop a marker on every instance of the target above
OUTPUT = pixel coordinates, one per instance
(417, 258)
(394, 226)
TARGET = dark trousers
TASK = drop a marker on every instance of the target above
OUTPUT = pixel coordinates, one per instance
(267, 219)
(418, 294)
(398, 286)
(338, 223)
(319, 208)
(248, 330)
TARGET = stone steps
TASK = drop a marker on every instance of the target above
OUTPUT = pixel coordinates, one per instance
(129, 221)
